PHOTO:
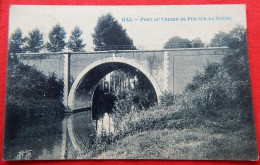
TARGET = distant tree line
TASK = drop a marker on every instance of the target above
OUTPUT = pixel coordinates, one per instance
(108, 35)
(178, 42)
(34, 43)
(220, 39)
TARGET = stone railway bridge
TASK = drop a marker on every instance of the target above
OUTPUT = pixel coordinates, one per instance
(168, 70)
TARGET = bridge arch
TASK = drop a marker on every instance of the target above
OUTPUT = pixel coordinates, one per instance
(92, 74)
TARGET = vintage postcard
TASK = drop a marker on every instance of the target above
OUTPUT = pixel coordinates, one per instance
(129, 82)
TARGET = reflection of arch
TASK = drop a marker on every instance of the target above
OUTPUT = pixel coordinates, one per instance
(108, 65)
(71, 134)
(78, 131)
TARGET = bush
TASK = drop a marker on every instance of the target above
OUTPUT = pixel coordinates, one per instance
(167, 99)
(30, 94)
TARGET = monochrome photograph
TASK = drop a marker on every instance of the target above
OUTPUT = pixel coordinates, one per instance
(168, 82)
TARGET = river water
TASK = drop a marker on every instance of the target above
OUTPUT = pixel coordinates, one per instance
(61, 137)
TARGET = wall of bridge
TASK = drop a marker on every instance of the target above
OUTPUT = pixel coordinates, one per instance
(46, 63)
(172, 69)
(185, 63)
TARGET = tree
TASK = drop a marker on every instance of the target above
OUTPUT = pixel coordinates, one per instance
(16, 41)
(177, 42)
(219, 40)
(237, 38)
(75, 43)
(54, 86)
(197, 43)
(238, 65)
(110, 35)
(35, 41)
(57, 39)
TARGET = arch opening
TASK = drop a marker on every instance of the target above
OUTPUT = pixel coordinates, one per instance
(82, 90)
(122, 91)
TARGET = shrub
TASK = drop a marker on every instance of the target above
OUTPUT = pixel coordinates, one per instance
(30, 94)
(167, 99)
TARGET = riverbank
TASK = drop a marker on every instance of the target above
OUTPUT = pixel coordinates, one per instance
(169, 134)
(193, 144)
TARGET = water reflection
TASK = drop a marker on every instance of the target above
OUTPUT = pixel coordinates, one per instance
(105, 124)
(33, 138)
(78, 134)
(102, 114)
(64, 137)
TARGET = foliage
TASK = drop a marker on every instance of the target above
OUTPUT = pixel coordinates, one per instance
(140, 94)
(54, 87)
(35, 41)
(177, 42)
(237, 39)
(237, 66)
(225, 85)
(108, 32)
(219, 40)
(29, 91)
(16, 41)
(28, 82)
(197, 43)
(57, 39)
(123, 105)
(167, 99)
(75, 43)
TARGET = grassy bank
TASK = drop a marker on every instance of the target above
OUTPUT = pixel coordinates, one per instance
(165, 133)
(197, 143)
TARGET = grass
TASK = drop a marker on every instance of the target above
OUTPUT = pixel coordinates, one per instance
(181, 144)
(168, 133)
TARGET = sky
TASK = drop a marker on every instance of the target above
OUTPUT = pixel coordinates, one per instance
(150, 28)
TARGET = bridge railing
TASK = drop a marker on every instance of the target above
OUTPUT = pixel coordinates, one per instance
(190, 45)
(165, 46)
(115, 47)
